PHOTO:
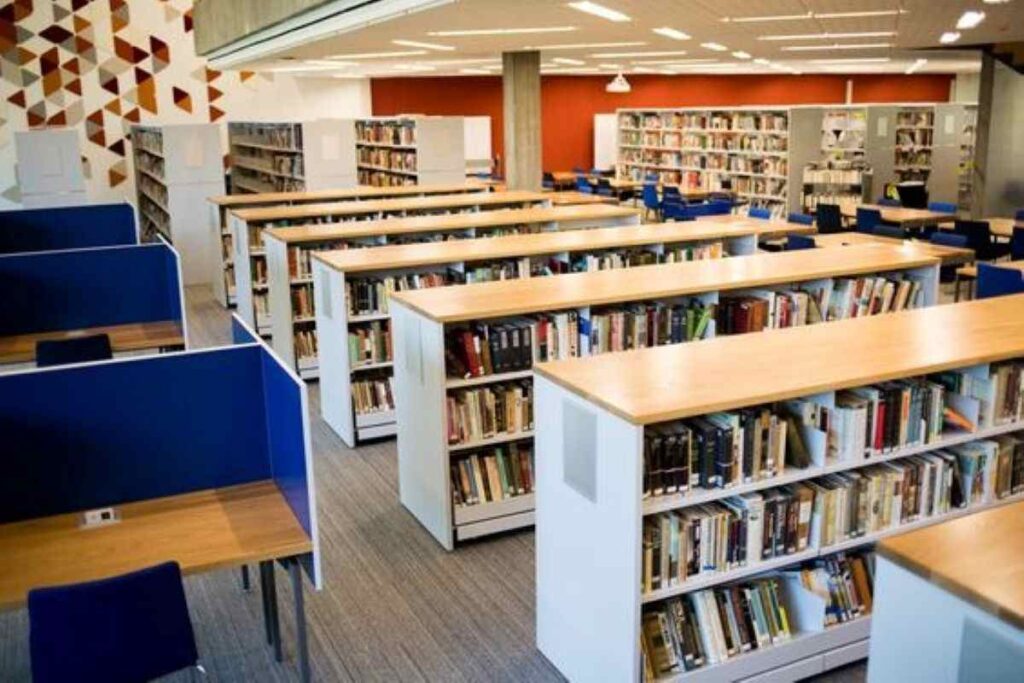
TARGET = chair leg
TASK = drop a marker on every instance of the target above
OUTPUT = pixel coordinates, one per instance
(246, 584)
(273, 624)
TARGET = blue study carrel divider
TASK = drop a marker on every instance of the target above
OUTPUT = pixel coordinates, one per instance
(241, 333)
(82, 288)
(69, 227)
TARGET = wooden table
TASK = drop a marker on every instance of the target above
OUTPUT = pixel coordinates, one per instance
(948, 255)
(765, 228)
(574, 197)
(564, 179)
(21, 348)
(904, 217)
(1000, 227)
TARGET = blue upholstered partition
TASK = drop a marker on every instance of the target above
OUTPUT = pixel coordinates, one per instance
(71, 227)
(79, 288)
(241, 333)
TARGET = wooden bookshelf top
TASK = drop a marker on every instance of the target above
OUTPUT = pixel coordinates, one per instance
(438, 202)
(21, 348)
(948, 255)
(516, 297)
(447, 222)
(342, 194)
(202, 531)
(769, 228)
(510, 246)
(672, 382)
(572, 197)
(978, 557)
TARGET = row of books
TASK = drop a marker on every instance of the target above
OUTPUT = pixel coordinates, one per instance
(300, 259)
(153, 191)
(305, 344)
(370, 295)
(384, 179)
(255, 181)
(770, 310)
(302, 301)
(833, 176)
(394, 160)
(485, 412)
(493, 475)
(150, 163)
(148, 140)
(255, 159)
(641, 326)
(285, 135)
(712, 626)
(374, 395)
(724, 121)
(369, 344)
(763, 187)
(387, 132)
(919, 118)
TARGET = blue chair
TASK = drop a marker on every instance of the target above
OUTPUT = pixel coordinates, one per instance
(578, 171)
(801, 218)
(133, 627)
(721, 207)
(604, 188)
(868, 219)
(651, 178)
(830, 219)
(1017, 244)
(670, 193)
(979, 238)
(796, 242)
(996, 281)
(1019, 216)
(886, 230)
(759, 212)
(583, 184)
(73, 350)
(651, 200)
(548, 181)
(949, 239)
(942, 207)
(887, 201)
(675, 210)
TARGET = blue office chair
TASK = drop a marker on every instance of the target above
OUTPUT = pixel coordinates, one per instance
(868, 219)
(801, 218)
(720, 207)
(942, 207)
(759, 212)
(888, 201)
(830, 219)
(651, 200)
(583, 184)
(996, 281)
(796, 242)
(1019, 215)
(675, 210)
(886, 230)
(948, 239)
(1017, 244)
(73, 350)
(604, 188)
(979, 238)
(651, 178)
(548, 181)
(670, 193)
(133, 627)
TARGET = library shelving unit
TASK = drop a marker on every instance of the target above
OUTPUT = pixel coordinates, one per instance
(592, 419)
(176, 168)
(423, 320)
(965, 169)
(289, 254)
(915, 133)
(223, 275)
(844, 134)
(410, 150)
(247, 225)
(846, 183)
(346, 278)
(746, 149)
(292, 156)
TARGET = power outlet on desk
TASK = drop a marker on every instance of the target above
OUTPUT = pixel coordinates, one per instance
(99, 517)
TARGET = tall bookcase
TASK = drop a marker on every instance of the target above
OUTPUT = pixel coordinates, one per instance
(915, 134)
(410, 150)
(176, 169)
(292, 156)
(425, 322)
(592, 419)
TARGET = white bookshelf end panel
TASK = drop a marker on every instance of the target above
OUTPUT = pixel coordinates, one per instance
(589, 468)
(332, 336)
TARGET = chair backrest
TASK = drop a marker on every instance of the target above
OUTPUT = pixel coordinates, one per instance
(583, 185)
(650, 194)
(868, 219)
(604, 182)
(996, 281)
(759, 212)
(883, 230)
(651, 178)
(948, 239)
(718, 207)
(942, 207)
(671, 192)
(133, 627)
(1019, 215)
(547, 179)
(913, 195)
(1017, 244)
(830, 219)
(794, 242)
(73, 350)
(801, 218)
(978, 233)
(888, 201)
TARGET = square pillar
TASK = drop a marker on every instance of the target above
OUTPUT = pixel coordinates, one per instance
(521, 104)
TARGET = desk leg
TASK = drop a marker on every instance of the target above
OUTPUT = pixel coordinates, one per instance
(246, 583)
(295, 569)
(956, 289)
(273, 625)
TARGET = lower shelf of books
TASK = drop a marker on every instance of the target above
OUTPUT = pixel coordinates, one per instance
(472, 521)
(375, 425)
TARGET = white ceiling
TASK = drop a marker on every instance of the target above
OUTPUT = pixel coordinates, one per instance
(891, 44)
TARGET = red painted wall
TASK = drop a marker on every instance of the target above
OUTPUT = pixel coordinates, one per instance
(568, 103)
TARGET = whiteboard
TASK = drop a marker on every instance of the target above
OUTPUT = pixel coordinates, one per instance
(477, 131)
(605, 143)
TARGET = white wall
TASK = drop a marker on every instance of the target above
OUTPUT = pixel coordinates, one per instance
(1004, 189)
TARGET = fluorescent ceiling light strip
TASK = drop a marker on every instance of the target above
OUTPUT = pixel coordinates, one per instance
(456, 62)
(478, 72)
(672, 33)
(772, 17)
(503, 31)
(379, 55)
(413, 67)
(815, 15)
(835, 46)
(585, 46)
(818, 36)
(969, 20)
(426, 46)
(717, 47)
(566, 60)
(915, 66)
(674, 61)
(610, 66)
(571, 70)
(297, 68)
(740, 54)
(863, 13)
(599, 11)
(624, 55)
(851, 60)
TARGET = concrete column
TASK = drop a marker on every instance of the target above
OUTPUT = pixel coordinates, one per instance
(521, 90)
(979, 174)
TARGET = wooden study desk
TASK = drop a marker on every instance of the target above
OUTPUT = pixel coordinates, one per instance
(904, 217)
(21, 348)
(1000, 227)
(574, 197)
(948, 255)
(765, 228)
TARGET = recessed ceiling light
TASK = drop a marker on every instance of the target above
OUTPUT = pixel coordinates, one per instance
(762, 61)
(717, 47)
(599, 10)
(835, 46)
(771, 17)
(623, 55)
(816, 36)
(672, 33)
(915, 66)
(740, 54)
(503, 31)
(996, 2)
(949, 37)
(379, 55)
(851, 60)
(426, 46)
(969, 20)
(566, 60)
(583, 46)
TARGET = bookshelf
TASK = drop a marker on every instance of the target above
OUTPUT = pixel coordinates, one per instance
(247, 225)
(291, 156)
(423, 320)
(845, 183)
(410, 150)
(290, 252)
(223, 274)
(593, 416)
(345, 279)
(176, 168)
(915, 133)
(844, 134)
(965, 167)
(708, 149)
